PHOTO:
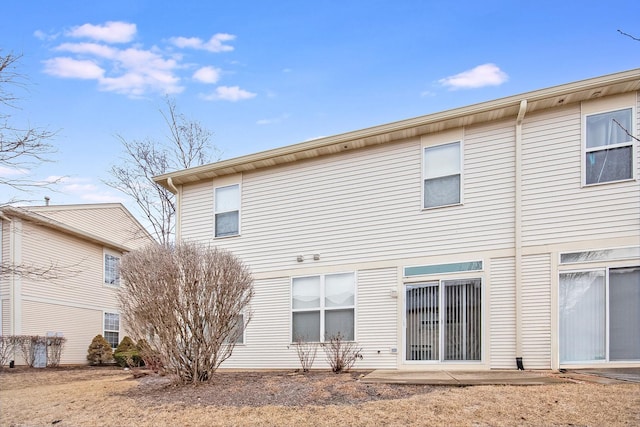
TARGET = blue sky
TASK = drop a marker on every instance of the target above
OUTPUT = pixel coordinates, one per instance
(264, 74)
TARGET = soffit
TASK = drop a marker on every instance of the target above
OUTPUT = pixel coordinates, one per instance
(503, 108)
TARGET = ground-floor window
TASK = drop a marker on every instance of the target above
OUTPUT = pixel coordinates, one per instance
(444, 320)
(322, 307)
(600, 315)
(112, 328)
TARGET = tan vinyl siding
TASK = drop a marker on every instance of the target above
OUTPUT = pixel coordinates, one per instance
(536, 311)
(503, 313)
(6, 317)
(111, 222)
(197, 208)
(78, 325)
(347, 208)
(556, 209)
(376, 313)
(78, 266)
(268, 333)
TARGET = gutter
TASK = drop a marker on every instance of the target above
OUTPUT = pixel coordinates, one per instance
(518, 232)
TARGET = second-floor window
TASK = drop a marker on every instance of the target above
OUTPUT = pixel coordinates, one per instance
(442, 175)
(609, 147)
(227, 210)
(111, 270)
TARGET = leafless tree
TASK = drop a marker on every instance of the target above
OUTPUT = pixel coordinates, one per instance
(188, 144)
(21, 148)
(189, 302)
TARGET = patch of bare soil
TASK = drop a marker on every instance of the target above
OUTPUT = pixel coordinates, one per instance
(281, 388)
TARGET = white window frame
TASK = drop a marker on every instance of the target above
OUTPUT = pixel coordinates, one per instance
(104, 325)
(216, 211)
(460, 143)
(322, 308)
(632, 143)
(105, 279)
(441, 318)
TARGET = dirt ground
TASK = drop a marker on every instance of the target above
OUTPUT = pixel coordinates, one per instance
(110, 397)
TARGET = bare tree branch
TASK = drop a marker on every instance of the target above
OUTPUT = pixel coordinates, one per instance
(625, 130)
(21, 149)
(629, 35)
(188, 144)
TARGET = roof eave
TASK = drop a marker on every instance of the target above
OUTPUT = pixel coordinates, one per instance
(477, 113)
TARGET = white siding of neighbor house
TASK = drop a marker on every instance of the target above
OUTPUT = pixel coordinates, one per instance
(348, 207)
(556, 208)
(78, 325)
(5, 317)
(536, 311)
(111, 222)
(503, 313)
(79, 267)
(71, 303)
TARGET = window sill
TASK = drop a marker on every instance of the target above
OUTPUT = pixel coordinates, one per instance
(597, 184)
(442, 206)
(226, 237)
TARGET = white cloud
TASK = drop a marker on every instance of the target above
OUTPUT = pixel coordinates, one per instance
(131, 69)
(110, 32)
(41, 35)
(73, 68)
(133, 72)
(207, 75)
(480, 76)
(273, 120)
(215, 43)
(229, 93)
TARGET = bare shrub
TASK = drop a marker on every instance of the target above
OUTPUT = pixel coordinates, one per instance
(341, 354)
(55, 345)
(28, 345)
(8, 344)
(306, 352)
(151, 359)
(189, 302)
(99, 351)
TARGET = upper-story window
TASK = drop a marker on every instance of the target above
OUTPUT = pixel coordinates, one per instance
(227, 210)
(609, 146)
(111, 269)
(442, 174)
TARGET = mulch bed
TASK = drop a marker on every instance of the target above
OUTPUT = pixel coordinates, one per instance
(281, 388)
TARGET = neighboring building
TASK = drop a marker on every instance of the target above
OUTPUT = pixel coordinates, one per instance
(60, 272)
(463, 239)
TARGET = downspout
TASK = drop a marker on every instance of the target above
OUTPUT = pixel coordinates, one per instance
(175, 191)
(518, 232)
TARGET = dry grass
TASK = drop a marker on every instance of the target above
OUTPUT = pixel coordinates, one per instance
(109, 397)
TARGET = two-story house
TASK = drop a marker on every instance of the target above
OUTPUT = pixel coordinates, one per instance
(60, 272)
(471, 238)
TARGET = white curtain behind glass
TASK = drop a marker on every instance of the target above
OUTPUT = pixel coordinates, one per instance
(582, 316)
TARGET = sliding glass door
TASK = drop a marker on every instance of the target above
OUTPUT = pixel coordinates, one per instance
(444, 321)
(600, 315)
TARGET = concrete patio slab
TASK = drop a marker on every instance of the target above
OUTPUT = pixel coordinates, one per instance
(464, 378)
(606, 375)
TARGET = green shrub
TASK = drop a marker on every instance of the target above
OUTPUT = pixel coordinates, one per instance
(99, 351)
(127, 354)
